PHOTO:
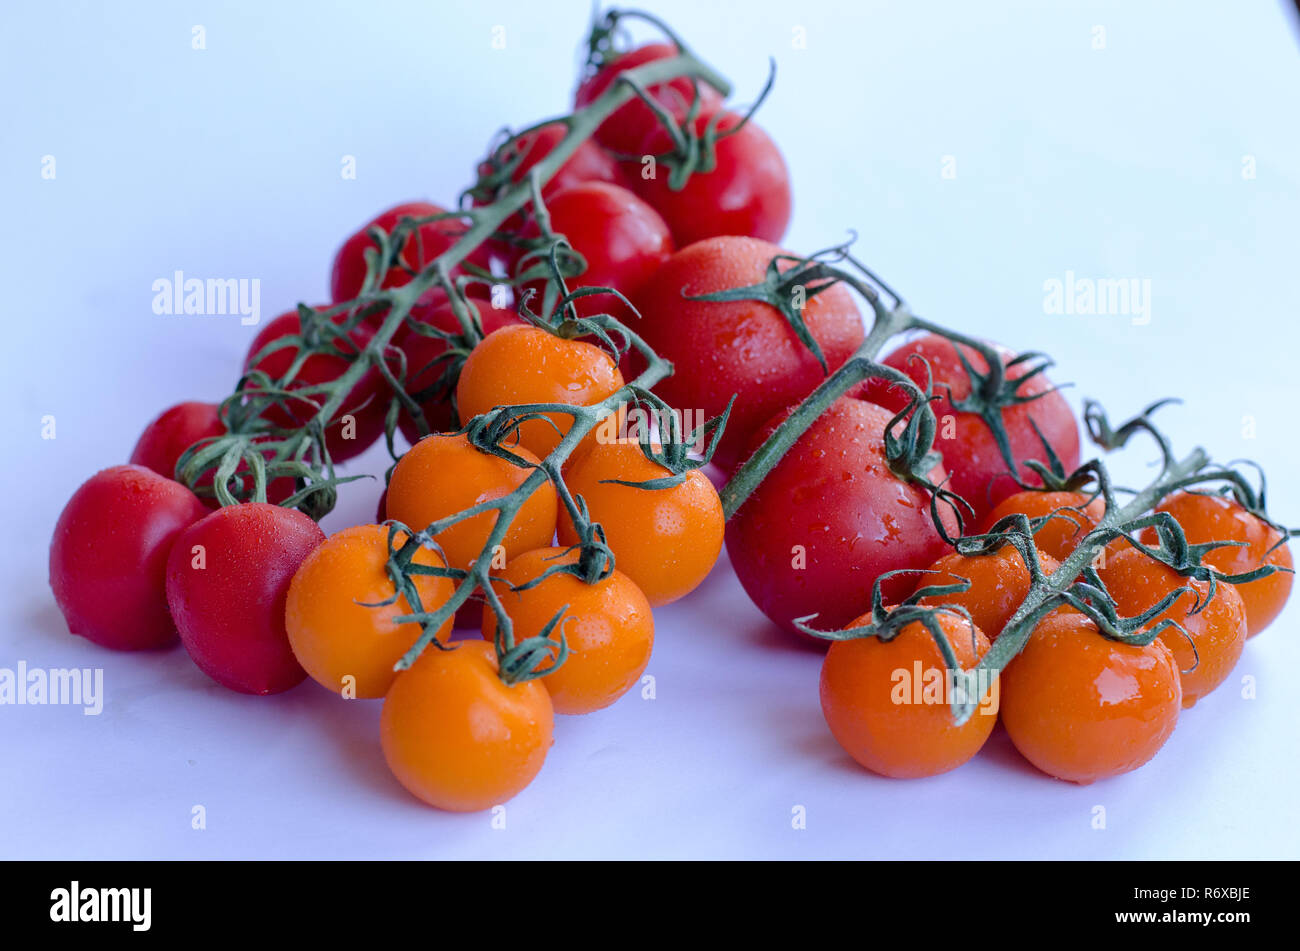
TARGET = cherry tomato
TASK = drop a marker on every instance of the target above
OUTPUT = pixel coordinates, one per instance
(747, 192)
(424, 245)
(608, 627)
(1082, 707)
(459, 738)
(344, 643)
(445, 474)
(970, 453)
(622, 239)
(108, 558)
(891, 722)
(1059, 536)
(526, 364)
(665, 540)
(1214, 636)
(227, 582)
(829, 518)
(366, 404)
(998, 584)
(422, 351)
(626, 127)
(175, 430)
(743, 348)
(1207, 518)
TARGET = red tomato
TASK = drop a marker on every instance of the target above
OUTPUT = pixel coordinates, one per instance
(626, 127)
(175, 430)
(747, 192)
(367, 403)
(421, 352)
(746, 348)
(828, 519)
(108, 558)
(426, 243)
(970, 454)
(622, 239)
(227, 581)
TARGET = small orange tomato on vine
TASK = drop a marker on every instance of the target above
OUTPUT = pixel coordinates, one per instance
(998, 583)
(1073, 515)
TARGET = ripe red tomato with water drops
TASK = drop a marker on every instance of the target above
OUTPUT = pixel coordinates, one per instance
(978, 472)
(627, 126)
(622, 239)
(108, 557)
(172, 432)
(227, 582)
(746, 192)
(745, 348)
(427, 242)
(366, 403)
(829, 519)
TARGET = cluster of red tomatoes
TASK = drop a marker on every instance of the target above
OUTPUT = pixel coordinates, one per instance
(261, 599)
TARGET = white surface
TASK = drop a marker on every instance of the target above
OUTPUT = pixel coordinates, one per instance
(1119, 162)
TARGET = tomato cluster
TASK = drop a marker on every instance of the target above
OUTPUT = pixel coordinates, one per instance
(914, 506)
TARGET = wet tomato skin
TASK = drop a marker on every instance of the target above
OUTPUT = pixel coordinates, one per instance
(177, 428)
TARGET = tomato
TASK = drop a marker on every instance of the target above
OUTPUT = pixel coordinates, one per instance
(626, 128)
(622, 239)
(742, 348)
(1082, 707)
(227, 582)
(608, 627)
(422, 351)
(970, 453)
(366, 403)
(445, 474)
(344, 643)
(891, 722)
(665, 540)
(1209, 518)
(829, 519)
(423, 245)
(172, 432)
(108, 558)
(1217, 633)
(747, 192)
(526, 364)
(998, 584)
(459, 738)
(1059, 536)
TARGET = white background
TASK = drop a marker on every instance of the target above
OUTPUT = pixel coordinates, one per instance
(1124, 161)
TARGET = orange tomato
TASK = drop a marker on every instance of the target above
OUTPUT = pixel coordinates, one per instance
(341, 642)
(998, 584)
(1082, 707)
(1060, 535)
(525, 364)
(1217, 633)
(1212, 518)
(459, 738)
(887, 702)
(445, 474)
(608, 626)
(666, 540)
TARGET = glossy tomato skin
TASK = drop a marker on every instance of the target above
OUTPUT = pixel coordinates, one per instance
(108, 557)
(742, 348)
(747, 192)
(1212, 639)
(627, 126)
(348, 272)
(1059, 536)
(880, 723)
(227, 582)
(460, 739)
(367, 402)
(622, 239)
(608, 626)
(1206, 518)
(998, 584)
(177, 428)
(421, 351)
(829, 518)
(1081, 707)
(978, 472)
